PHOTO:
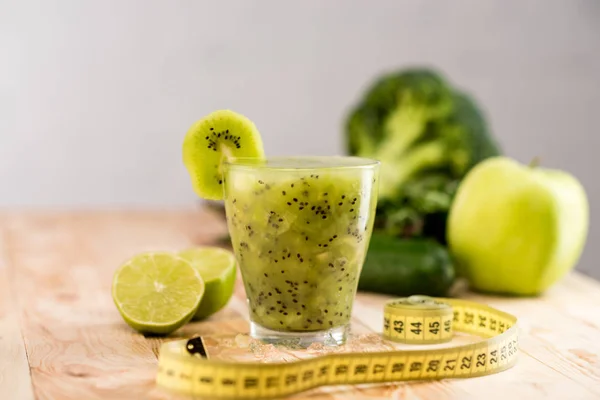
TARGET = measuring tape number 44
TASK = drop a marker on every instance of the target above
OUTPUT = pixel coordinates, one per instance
(185, 368)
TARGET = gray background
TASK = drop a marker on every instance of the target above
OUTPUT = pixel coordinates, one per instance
(95, 97)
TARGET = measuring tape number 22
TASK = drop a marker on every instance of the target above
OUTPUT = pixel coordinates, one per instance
(185, 368)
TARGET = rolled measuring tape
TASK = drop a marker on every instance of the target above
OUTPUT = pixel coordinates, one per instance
(183, 365)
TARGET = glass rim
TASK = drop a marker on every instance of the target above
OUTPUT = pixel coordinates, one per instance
(301, 162)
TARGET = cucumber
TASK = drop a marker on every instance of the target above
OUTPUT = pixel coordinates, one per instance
(404, 267)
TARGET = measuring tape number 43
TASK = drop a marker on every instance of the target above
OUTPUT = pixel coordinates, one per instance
(185, 368)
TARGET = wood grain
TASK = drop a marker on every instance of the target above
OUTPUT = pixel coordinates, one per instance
(62, 338)
(15, 381)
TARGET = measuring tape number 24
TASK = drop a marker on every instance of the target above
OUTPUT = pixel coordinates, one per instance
(185, 368)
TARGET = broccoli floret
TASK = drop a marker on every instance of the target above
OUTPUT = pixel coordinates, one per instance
(422, 130)
(395, 112)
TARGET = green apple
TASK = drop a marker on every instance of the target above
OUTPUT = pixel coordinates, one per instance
(517, 229)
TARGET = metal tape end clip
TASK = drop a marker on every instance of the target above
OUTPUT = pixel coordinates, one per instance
(195, 347)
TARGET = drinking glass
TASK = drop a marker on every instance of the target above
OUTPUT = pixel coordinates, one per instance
(300, 229)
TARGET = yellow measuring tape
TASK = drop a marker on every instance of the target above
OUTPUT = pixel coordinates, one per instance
(416, 319)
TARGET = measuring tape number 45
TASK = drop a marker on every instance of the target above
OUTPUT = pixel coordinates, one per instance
(185, 368)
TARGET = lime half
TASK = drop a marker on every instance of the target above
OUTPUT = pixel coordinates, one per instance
(157, 292)
(218, 270)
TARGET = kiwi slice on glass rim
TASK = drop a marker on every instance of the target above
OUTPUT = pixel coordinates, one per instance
(221, 134)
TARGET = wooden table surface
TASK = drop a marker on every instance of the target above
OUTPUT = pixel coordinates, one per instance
(62, 338)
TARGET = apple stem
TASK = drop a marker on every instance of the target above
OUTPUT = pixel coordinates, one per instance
(535, 162)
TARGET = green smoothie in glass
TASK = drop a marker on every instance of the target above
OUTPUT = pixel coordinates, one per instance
(300, 226)
(300, 229)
